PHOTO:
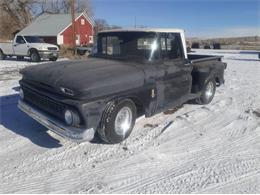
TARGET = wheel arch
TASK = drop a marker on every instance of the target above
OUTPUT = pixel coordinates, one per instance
(199, 78)
(31, 50)
(139, 104)
(3, 54)
(2, 51)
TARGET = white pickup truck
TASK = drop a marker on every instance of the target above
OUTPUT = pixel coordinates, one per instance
(30, 46)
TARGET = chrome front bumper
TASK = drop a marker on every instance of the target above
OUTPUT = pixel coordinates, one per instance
(48, 54)
(72, 133)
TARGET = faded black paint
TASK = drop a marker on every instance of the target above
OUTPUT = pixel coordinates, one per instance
(97, 81)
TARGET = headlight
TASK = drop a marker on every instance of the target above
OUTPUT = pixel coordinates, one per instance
(68, 116)
(21, 93)
(43, 48)
(71, 118)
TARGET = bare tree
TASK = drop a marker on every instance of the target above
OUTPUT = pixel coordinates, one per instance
(86, 6)
(102, 24)
(15, 15)
(63, 6)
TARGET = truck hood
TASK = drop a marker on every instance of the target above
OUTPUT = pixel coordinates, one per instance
(42, 46)
(87, 78)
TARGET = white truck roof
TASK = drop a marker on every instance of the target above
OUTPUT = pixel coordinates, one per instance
(161, 30)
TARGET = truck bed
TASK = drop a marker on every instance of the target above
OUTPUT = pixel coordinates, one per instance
(195, 58)
(7, 47)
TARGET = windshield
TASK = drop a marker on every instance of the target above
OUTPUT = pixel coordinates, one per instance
(33, 39)
(131, 45)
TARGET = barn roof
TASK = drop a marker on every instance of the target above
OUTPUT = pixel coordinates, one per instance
(49, 24)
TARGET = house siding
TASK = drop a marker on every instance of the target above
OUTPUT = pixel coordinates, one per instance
(82, 31)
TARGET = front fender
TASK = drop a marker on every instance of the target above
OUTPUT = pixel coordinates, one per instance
(143, 98)
(92, 113)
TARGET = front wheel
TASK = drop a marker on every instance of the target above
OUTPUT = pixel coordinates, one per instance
(34, 56)
(118, 121)
(208, 92)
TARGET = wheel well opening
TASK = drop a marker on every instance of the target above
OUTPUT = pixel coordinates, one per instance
(139, 106)
(31, 50)
(196, 83)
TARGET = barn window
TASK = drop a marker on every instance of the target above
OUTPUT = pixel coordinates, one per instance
(82, 21)
(91, 39)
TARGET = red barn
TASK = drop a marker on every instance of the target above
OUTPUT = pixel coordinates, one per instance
(57, 29)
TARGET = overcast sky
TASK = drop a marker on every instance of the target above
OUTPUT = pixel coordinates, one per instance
(199, 18)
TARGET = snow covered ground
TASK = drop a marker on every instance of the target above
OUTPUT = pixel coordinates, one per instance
(198, 149)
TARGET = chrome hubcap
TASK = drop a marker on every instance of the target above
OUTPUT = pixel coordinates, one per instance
(123, 121)
(209, 90)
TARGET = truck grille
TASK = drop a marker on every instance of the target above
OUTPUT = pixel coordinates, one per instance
(44, 103)
(52, 48)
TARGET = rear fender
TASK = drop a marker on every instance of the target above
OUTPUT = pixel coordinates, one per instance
(199, 79)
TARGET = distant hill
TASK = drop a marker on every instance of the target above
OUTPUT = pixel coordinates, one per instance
(243, 43)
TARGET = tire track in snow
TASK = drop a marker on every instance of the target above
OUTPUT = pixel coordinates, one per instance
(213, 147)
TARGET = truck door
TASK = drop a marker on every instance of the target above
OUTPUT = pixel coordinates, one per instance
(177, 79)
(20, 46)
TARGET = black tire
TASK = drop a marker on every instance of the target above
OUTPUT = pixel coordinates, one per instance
(81, 52)
(53, 59)
(107, 130)
(20, 57)
(2, 55)
(34, 56)
(206, 96)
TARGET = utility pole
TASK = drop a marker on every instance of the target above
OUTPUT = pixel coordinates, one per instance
(72, 6)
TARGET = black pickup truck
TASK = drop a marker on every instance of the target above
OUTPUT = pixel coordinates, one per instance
(130, 73)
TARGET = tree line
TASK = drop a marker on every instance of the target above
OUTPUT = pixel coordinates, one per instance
(17, 14)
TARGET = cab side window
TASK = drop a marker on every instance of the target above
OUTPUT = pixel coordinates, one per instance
(20, 40)
(171, 47)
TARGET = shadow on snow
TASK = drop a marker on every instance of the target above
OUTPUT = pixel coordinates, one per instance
(25, 59)
(20, 123)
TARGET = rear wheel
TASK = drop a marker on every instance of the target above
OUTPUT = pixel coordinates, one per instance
(208, 92)
(118, 121)
(2, 55)
(34, 56)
